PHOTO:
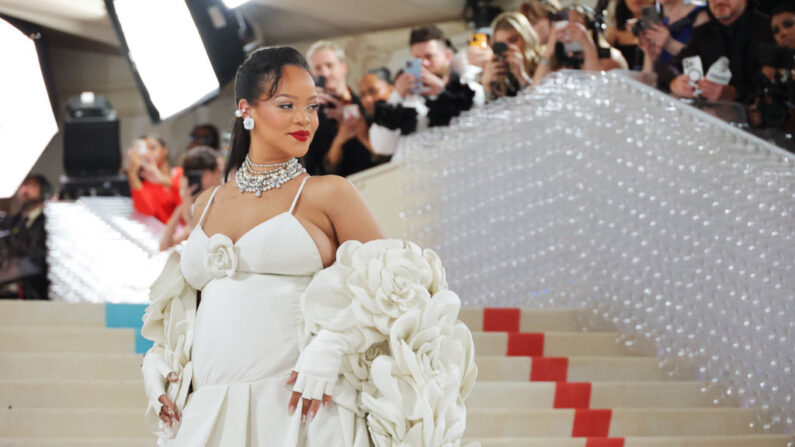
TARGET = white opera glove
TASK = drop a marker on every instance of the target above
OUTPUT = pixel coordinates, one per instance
(319, 365)
(155, 372)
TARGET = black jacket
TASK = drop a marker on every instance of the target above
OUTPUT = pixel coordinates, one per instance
(739, 42)
(23, 256)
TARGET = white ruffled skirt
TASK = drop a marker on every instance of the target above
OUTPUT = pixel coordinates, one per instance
(244, 348)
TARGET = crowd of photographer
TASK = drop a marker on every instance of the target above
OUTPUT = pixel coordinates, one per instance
(720, 51)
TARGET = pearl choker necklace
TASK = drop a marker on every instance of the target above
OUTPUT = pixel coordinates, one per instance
(249, 180)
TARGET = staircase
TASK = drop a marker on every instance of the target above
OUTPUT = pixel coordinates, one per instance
(67, 380)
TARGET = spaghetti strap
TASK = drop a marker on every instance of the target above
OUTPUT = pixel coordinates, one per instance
(300, 188)
(206, 207)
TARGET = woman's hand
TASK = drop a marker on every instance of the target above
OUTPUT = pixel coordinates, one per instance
(309, 408)
(168, 412)
(658, 34)
(516, 64)
(496, 70)
(651, 47)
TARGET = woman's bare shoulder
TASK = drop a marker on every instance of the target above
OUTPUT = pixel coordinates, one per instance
(330, 187)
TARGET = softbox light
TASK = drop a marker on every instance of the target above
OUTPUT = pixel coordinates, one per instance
(234, 3)
(27, 123)
(181, 51)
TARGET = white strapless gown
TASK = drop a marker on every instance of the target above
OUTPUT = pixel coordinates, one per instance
(246, 340)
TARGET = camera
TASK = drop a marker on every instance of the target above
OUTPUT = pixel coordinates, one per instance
(649, 16)
(510, 85)
(774, 99)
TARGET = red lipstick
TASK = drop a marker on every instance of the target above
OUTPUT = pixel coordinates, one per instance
(301, 135)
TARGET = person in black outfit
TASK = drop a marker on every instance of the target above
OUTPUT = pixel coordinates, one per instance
(736, 31)
(339, 144)
(23, 247)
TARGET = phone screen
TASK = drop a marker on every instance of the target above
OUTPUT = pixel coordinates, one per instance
(195, 181)
(413, 67)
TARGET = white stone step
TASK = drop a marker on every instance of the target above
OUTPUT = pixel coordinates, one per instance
(78, 442)
(580, 369)
(622, 423)
(661, 441)
(51, 313)
(527, 395)
(94, 394)
(66, 339)
(73, 423)
(51, 366)
(549, 344)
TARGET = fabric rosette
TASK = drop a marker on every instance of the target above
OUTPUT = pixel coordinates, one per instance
(409, 357)
(221, 256)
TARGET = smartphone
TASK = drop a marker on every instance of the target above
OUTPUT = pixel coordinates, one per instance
(650, 16)
(479, 40)
(414, 68)
(194, 181)
(500, 48)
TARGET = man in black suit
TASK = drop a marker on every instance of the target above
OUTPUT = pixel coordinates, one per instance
(736, 31)
(23, 244)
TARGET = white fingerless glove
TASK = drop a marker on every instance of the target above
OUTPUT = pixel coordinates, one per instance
(319, 364)
(154, 370)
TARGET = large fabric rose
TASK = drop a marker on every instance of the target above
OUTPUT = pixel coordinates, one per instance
(220, 259)
(388, 280)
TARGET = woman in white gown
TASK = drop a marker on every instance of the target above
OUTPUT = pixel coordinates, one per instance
(245, 338)
(263, 345)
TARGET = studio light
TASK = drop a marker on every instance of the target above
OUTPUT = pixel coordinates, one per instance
(27, 123)
(234, 3)
(166, 52)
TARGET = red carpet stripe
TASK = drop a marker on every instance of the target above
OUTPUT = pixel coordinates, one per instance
(549, 369)
(604, 442)
(572, 395)
(501, 319)
(591, 423)
(526, 344)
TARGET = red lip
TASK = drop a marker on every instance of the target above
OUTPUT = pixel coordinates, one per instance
(301, 135)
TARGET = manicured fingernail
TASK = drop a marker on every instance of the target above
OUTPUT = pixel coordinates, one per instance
(291, 409)
(326, 402)
(311, 415)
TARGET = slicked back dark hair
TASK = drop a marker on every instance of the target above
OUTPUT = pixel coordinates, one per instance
(426, 33)
(259, 74)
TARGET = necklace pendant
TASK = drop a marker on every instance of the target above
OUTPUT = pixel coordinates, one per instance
(258, 193)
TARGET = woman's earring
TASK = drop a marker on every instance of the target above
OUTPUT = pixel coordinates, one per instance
(248, 123)
(239, 113)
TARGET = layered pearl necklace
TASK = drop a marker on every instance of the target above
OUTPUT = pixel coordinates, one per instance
(249, 180)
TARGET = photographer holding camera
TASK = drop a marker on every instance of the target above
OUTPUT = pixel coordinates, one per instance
(571, 45)
(428, 92)
(772, 106)
(735, 33)
(516, 53)
(23, 243)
